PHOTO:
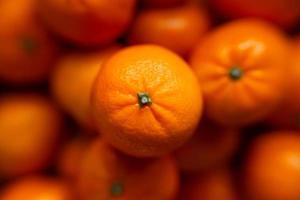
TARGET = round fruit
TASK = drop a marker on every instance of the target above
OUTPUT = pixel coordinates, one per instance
(272, 167)
(146, 101)
(26, 51)
(108, 174)
(88, 22)
(241, 67)
(37, 188)
(177, 29)
(29, 133)
(72, 81)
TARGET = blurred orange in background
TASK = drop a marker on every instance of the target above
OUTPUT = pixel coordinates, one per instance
(30, 130)
(27, 52)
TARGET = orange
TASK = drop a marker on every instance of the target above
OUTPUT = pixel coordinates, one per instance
(272, 167)
(146, 100)
(70, 157)
(287, 115)
(37, 188)
(108, 174)
(26, 51)
(213, 185)
(176, 28)
(88, 22)
(29, 133)
(72, 80)
(285, 13)
(211, 146)
(160, 3)
(241, 67)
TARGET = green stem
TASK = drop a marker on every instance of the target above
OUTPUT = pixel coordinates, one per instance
(235, 73)
(144, 99)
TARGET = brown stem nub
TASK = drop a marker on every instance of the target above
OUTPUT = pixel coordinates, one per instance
(235, 73)
(117, 189)
(144, 99)
(29, 45)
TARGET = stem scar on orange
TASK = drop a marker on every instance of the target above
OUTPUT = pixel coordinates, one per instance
(241, 67)
(106, 173)
(146, 100)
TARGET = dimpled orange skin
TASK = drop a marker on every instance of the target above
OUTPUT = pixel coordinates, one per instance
(37, 188)
(211, 146)
(215, 184)
(272, 167)
(69, 160)
(72, 81)
(88, 22)
(185, 25)
(287, 115)
(155, 128)
(29, 133)
(285, 13)
(108, 174)
(241, 69)
(26, 51)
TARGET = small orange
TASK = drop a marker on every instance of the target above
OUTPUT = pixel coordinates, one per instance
(272, 167)
(241, 67)
(210, 147)
(88, 22)
(26, 51)
(161, 3)
(72, 80)
(146, 100)
(70, 157)
(108, 174)
(29, 133)
(287, 115)
(37, 188)
(176, 28)
(213, 185)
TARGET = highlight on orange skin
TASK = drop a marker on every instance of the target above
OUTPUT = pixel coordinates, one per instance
(30, 128)
(285, 13)
(26, 52)
(89, 22)
(272, 167)
(211, 185)
(72, 81)
(210, 147)
(37, 187)
(241, 67)
(287, 114)
(176, 28)
(70, 158)
(146, 101)
(108, 174)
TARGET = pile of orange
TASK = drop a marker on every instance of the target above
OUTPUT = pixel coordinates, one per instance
(150, 100)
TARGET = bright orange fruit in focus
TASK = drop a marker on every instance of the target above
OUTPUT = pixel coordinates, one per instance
(146, 101)
(29, 134)
(108, 174)
(241, 67)
(176, 28)
(26, 51)
(37, 188)
(72, 81)
(272, 167)
(88, 22)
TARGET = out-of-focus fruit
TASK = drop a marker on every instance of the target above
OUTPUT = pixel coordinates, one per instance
(29, 133)
(37, 188)
(72, 82)
(146, 101)
(108, 174)
(177, 29)
(210, 147)
(272, 167)
(27, 52)
(161, 3)
(241, 67)
(88, 22)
